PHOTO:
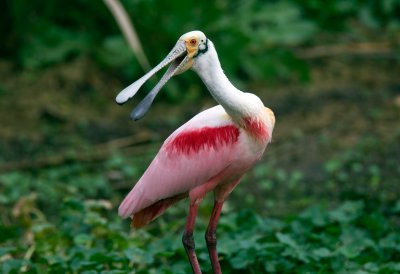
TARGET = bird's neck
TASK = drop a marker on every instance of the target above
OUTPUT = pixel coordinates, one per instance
(245, 109)
(234, 101)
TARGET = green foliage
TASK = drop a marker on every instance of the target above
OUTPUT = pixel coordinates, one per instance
(334, 15)
(262, 33)
(86, 238)
(64, 221)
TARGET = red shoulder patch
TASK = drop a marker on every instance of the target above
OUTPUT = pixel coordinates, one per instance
(203, 138)
(256, 128)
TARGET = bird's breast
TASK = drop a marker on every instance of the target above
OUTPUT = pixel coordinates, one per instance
(257, 129)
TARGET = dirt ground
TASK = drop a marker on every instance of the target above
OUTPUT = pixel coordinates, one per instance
(348, 101)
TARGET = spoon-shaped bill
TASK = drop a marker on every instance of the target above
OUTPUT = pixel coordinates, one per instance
(130, 91)
(140, 110)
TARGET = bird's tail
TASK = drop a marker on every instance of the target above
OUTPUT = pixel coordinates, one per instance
(148, 214)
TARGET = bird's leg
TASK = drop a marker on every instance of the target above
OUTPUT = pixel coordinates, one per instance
(187, 238)
(211, 236)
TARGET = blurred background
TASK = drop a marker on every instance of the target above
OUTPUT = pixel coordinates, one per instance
(325, 197)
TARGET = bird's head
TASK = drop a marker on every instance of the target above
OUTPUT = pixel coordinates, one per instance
(196, 44)
(187, 50)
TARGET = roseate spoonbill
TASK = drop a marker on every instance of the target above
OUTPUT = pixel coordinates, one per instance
(210, 152)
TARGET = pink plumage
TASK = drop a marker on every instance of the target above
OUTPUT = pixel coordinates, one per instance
(211, 152)
(206, 138)
(208, 145)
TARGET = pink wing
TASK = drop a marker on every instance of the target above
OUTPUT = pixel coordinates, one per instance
(193, 154)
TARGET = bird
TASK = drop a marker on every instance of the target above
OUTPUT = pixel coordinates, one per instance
(209, 153)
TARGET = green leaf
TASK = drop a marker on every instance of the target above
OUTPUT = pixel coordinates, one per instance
(391, 241)
(322, 252)
(240, 260)
(6, 250)
(396, 207)
(83, 239)
(347, 212)
(392, 267)
(55, 44)
(295, 249)
(317, 215)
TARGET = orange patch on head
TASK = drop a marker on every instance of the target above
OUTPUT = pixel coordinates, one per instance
(192, 46)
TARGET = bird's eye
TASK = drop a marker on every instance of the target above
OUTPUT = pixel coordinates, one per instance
(193, 42)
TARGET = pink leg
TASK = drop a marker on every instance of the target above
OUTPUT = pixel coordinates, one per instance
(211, 237)
(187, 238)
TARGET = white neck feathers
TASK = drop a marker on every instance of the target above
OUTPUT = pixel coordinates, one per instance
(235, 102)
